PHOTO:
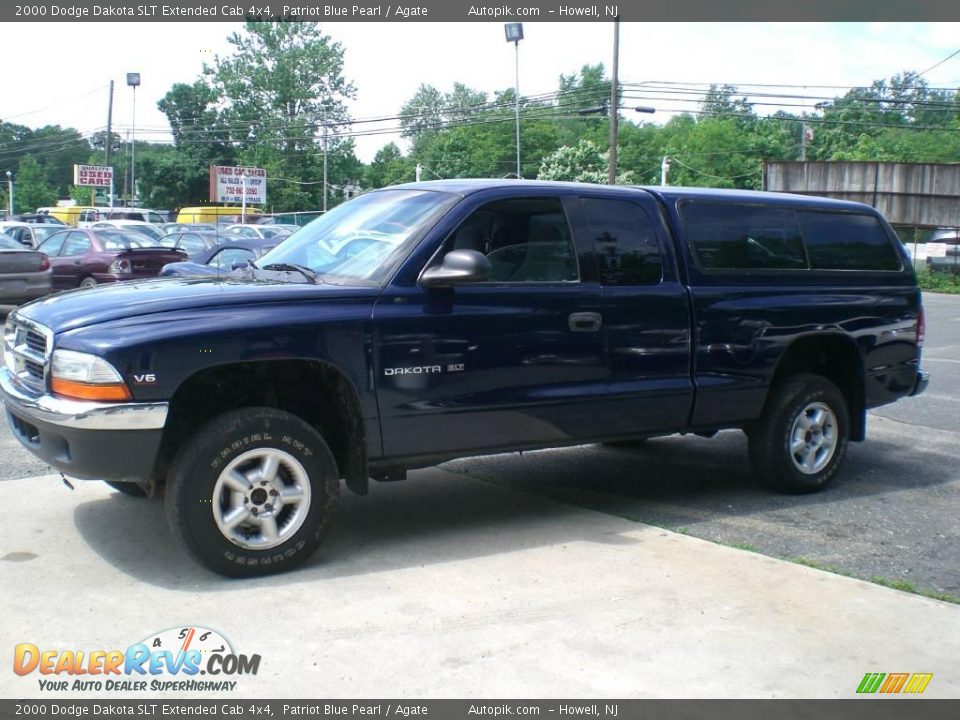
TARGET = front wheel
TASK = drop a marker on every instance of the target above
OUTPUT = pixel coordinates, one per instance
(800, 440)
(254, 492)
(88, 282)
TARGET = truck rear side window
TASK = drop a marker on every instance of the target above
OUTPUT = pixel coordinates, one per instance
(847, 241)
(728, 236)
(624, 241)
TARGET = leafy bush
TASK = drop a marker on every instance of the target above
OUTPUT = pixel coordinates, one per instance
(939, 282)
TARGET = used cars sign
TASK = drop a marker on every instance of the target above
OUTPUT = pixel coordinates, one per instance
(92, 175)
(230, 184)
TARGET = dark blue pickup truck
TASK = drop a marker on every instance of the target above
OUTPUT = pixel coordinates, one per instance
(438, 320)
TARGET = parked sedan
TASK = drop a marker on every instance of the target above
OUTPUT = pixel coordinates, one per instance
(221, 258)
(24, 273)
(30, 234)
(86, 257)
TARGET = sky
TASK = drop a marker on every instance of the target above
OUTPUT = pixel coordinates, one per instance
(65, 68)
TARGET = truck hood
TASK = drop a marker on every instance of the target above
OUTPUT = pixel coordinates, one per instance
(78, 308)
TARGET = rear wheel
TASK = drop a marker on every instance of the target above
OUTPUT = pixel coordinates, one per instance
(254, 492)
(801, 439)
(88, 282)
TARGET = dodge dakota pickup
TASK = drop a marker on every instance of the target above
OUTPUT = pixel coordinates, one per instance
(430, 321)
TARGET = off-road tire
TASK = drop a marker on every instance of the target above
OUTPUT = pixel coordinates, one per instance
(195, 471)
(771, 436)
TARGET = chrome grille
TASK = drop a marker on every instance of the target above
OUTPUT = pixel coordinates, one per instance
(26, 350)
(36, 342)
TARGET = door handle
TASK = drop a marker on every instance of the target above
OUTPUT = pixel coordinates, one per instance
(585, 321)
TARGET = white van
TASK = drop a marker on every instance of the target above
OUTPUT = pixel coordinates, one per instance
(142, 214)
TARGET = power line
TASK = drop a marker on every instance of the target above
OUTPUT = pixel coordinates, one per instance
(936, 65)
(59, 104)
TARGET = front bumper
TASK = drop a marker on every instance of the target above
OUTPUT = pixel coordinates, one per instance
(923, 379)
(83, 439)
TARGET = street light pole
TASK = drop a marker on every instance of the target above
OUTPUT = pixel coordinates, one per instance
(133, 80)
(10, 191)
(514, 33)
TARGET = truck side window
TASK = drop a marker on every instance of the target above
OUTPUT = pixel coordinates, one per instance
(526, 240)
(847, 241)
(731, 236)
(624, 241)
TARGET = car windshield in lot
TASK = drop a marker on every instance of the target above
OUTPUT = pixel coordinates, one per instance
(364, 239)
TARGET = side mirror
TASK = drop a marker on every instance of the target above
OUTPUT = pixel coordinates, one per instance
(458, 267)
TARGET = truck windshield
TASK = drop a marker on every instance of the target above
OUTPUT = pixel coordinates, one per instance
(363, 239)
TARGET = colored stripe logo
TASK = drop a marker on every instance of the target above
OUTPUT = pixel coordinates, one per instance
(892, 683)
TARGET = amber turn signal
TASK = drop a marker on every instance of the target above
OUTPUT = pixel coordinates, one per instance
(87, 391)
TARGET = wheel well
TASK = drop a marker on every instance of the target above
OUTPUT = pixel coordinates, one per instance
(836, 358)
(314, 391)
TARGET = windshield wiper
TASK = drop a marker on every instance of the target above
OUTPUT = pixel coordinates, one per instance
(302, 269)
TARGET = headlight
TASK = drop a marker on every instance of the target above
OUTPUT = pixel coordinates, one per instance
(84, 376)
(9, 334)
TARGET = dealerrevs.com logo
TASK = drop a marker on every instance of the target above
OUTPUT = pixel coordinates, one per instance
(179, 659)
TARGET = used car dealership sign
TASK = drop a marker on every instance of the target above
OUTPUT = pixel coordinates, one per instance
(92, 175)
(230, 184)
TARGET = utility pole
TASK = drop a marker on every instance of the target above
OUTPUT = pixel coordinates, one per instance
(419, 171)
(807, 133)
(664, 169)
(324, 158)
(109, 144)
(614, 82)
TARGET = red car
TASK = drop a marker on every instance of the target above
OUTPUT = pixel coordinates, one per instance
(87, 257)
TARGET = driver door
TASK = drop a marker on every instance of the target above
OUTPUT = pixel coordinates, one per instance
(509, 363)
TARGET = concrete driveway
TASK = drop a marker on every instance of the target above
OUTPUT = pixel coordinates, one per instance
(444, 586)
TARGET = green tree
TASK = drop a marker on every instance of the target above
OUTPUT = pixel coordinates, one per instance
(283, 90)
(584, 162)
(388, 167)
(423, 112)
(31, 188)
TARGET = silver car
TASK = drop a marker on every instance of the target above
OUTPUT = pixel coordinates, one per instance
(24, 273)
